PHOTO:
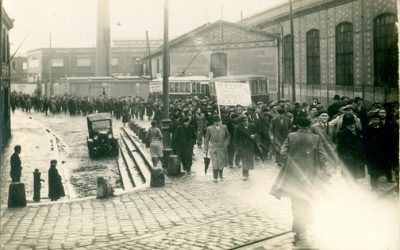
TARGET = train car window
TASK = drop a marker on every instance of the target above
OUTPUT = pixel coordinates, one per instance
(187, 87)
(254, 85)
(172, 87)
(177, 87)
(264, 83)
(181, 87)
(203, 88)
(198, 87)
(194, 87)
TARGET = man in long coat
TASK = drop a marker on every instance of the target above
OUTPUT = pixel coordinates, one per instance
(278, 131)
(244, 137)
(185, 139)
(304, 155)
(215, 143)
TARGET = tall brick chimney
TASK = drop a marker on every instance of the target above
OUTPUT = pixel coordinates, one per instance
(103, 42)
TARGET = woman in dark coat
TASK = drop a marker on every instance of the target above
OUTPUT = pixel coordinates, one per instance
(350, 149)
(56, 189)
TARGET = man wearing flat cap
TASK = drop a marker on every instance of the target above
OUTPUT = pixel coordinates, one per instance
(337, 124)
(377, 155)
(185, 140)
(215, 146)
(245, 141)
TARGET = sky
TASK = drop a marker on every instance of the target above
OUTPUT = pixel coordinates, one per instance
(72, 23)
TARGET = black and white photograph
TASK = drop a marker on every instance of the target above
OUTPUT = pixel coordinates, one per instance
(191, 125)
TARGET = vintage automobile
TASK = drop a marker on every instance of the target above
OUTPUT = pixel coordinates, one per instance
(101, 140)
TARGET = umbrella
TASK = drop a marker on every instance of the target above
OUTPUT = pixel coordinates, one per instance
(207, 161)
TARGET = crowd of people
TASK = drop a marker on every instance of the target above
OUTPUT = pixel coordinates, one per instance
(121, 107)
(304, 139)
(354, 135)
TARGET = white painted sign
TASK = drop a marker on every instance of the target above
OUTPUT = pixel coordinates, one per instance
(233, 93)
(155, 87)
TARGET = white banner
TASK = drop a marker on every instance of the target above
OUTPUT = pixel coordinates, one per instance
(233, 93)
(155, 87)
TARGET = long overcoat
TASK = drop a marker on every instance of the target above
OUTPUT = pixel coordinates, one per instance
(216, 142)
(56, 189)
(279, 129)
(351, 152)
(245, 145)
(304, 154)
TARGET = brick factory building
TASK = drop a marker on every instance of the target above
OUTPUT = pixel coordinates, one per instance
(345, 47)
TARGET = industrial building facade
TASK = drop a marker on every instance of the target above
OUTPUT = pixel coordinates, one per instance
(5, 123)
(125, 60)
(344, 47)
(218, 49)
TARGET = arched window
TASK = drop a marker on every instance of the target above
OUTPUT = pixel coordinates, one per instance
(344, 54)
(386, 61)
(313, 65)
(287, 59)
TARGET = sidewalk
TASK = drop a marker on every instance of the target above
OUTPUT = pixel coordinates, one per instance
(39, 146)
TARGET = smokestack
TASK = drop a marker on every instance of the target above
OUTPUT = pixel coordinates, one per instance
(103, 43)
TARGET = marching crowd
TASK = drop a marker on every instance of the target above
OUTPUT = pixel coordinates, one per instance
(309, 142)
(353, 135)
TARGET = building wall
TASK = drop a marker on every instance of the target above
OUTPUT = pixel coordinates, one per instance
(5, 117)
(240, 62)
(361, 14)
(81, 62)
(19, 70)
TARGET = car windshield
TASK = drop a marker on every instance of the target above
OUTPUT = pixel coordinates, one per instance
(101, 125)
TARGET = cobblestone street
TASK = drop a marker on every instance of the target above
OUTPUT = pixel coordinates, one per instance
(190, 212)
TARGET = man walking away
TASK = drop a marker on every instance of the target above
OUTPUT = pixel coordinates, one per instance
(303, 155)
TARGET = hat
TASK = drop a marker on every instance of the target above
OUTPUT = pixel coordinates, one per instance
(374, 115)
(358, 99)
(303, 121)
(243, 117)
(347, 107)
(336, 97)
(53, 161)
(216, 118)
(322, 112)
(234, 116)
(260, 103)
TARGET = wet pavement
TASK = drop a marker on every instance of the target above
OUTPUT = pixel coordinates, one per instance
(190, 212)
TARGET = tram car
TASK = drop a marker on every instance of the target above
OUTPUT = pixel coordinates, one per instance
(182, 87)
(258, 85)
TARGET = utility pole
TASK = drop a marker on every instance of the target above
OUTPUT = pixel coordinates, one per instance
(293, 64)
(1, 43)
(50, 76)
(149, 53)
(166, 120)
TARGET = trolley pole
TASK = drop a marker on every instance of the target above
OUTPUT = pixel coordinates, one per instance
(166, 120)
